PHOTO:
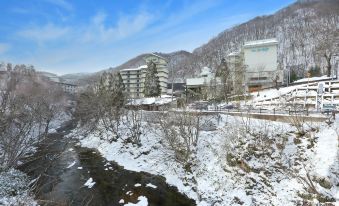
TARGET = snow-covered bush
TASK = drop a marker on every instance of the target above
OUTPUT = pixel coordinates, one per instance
(180, 134)
(14, 189)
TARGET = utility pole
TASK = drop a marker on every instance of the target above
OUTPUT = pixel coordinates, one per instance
(172, 83)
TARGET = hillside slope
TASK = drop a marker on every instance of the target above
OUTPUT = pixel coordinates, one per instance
(300, 29)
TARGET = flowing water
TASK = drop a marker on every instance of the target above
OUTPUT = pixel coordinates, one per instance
(63, 168)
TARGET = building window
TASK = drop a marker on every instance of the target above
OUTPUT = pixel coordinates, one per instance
(258, 78)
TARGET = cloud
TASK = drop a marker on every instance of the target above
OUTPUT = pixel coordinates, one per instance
(44, 33)
(97, 30)
(188, 11)
(4, 48)
(62, 4)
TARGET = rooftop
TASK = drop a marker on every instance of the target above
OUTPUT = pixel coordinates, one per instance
(135, 69)
(195, 81)
(261, 42)
(233, 54)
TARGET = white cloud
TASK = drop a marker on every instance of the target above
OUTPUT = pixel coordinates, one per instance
(61, 3)
(4, 48)
(44, 33)
(126, 26)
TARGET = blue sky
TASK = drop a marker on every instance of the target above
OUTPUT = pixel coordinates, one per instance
(71, 36)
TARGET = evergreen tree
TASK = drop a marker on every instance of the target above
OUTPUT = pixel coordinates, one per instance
(152, 83)
(111, 89)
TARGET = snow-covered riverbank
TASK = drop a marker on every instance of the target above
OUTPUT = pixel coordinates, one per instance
(268, 165)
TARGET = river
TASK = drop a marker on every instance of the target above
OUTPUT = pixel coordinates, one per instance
(62, 169)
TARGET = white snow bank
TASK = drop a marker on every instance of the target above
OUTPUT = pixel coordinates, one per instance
(212, 179)
(326, 151)
(89, 183)
(311, 79)
(142, 202)
(151, 100)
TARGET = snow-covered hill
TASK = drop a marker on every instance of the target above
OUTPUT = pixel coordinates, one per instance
(300, 28)
(240, 162)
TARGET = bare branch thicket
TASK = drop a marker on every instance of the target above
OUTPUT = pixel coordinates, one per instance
(101, 107)
(180, 133)
(133, 123)
(21, 114)
(298, 120)
(255, 140)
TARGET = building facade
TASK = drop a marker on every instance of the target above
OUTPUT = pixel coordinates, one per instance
(255, 66)
(237, 68)
(134, 78)
(261, 63)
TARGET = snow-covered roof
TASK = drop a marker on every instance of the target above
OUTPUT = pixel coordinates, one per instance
(236, 53)
(205, 71)
(135, 69)
(261, 42)
(164, 99)
(195, 81)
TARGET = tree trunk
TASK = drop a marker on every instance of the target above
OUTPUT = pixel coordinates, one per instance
(328, 66)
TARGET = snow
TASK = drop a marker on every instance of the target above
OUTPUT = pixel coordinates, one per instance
(135, 69)
(326, 151)
(234, 54)
(89, 183)
(261, 42)
(212, 179)
(165, 99)
(79, 168)
(137, 185)
(311, 79)
(195, 81)
(122, 201)
(14, 189)
(71, 165)
(151, 185)
(142, 202)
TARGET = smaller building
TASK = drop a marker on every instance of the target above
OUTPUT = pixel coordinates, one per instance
(197, 86)
(68, 88)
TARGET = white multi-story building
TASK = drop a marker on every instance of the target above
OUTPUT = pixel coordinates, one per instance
(261, 63)
(255, 66)
(134, 78)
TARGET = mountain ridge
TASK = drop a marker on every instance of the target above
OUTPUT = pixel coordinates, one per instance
(300, 29)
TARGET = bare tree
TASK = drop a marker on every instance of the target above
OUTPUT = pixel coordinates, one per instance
(20, 115)
(133, 123)
(180, 132)
(103, 105)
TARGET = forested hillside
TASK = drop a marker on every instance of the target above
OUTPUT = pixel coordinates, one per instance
(306, 31)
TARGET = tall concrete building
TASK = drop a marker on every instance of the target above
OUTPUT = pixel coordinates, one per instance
(261, 63)
(255, 66)
(134, 78)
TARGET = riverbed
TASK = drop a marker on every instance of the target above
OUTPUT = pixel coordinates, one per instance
(68, 174)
